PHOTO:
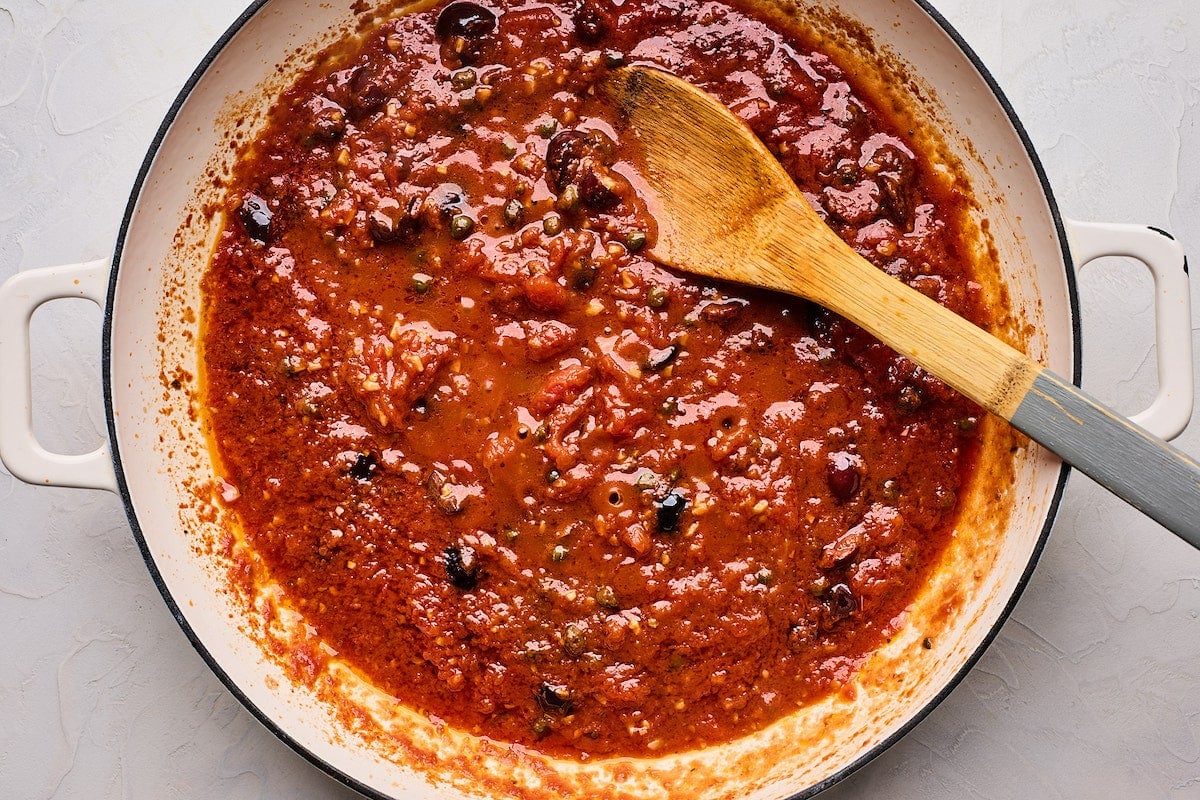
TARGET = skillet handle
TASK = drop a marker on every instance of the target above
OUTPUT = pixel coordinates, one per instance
(20, 450)
(1171, 410)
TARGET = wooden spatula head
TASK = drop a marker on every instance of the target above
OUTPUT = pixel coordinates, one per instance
(714, 186)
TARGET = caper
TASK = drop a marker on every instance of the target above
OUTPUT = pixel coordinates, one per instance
(553, 475)
(574, 641)
(513, 212)
(308, 407)
(546, 127)
(657, 296)
(909, 400)
(509, 148)
(646, 480)
(606, 597)
(463, 79)
(552, 225)
(422, 283)
(614, 59)
(847, 173)
(945, 497)
(461, 226)
(635, 241)
(569, 198)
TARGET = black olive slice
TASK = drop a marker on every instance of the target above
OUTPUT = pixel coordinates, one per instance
(364, 466)
(465, 19)
(256, 217)
(462, 567)
(669, 511)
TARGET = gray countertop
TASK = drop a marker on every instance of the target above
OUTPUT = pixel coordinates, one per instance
(1092, 688)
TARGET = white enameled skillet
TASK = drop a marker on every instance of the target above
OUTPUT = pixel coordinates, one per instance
(157, 461)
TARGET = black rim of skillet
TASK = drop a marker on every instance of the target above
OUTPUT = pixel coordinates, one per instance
(349, 780)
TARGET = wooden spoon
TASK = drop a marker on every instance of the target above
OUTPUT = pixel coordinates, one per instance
(726, 209)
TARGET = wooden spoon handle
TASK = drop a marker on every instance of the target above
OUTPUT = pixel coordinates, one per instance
(1135, 465)
(801, 256)
(1130, 462)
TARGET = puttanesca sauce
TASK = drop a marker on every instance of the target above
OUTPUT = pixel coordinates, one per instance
(513, 471)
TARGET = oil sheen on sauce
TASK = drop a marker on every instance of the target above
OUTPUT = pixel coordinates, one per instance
(519, 475)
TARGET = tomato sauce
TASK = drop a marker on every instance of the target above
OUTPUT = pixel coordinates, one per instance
(513, 471)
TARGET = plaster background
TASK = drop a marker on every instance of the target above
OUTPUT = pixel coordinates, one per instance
(1092, 688)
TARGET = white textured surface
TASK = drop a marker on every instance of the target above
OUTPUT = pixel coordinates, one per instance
(1092, 689)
